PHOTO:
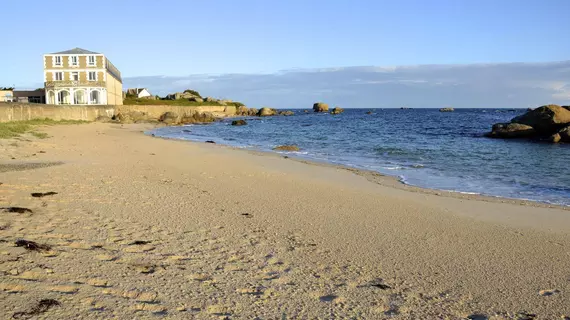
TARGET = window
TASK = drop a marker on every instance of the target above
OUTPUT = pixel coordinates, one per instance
(91, 60)
(92, 76)
(57, 60)
(74, 61)
(75, 76)
(58, 76)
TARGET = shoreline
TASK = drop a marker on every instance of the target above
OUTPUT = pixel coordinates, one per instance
(141, 227)
(385, 179)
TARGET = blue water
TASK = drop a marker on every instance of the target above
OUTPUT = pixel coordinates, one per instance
(424, 147)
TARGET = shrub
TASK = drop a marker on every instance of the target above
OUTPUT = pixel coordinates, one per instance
(194, 92)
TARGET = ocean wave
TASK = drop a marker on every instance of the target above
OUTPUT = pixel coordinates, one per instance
(435, 154)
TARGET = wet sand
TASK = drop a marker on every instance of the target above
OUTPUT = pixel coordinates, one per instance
(143, 228)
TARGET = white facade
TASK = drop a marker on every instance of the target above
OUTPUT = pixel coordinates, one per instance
(144, 93)
(77, 95)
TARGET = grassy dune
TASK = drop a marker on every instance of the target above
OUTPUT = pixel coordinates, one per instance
(17, 128)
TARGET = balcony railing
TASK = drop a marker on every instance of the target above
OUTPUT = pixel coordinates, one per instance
(71, 83)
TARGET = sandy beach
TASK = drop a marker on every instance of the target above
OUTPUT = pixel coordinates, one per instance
(143, 227)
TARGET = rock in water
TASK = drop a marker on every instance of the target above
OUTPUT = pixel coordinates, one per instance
(555, 138)
(546, 119)
(337, 110)
(446, 110)
(286, 148)
(286, 113)
(266, 112)
(562, 135)
(239, 123)
(320, 107)
(511, 130)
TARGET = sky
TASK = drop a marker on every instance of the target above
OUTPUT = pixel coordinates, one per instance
(290, 53)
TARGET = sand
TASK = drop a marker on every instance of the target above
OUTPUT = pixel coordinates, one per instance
(143, 227)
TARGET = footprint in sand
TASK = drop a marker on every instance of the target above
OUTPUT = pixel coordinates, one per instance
(106, 257)
(201, 277)
(64, 289)
(153, 308)
(328, 298)
(99, 283)
(12, 288)
(550, 292)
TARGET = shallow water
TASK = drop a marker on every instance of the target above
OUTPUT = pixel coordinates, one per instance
(424, 147)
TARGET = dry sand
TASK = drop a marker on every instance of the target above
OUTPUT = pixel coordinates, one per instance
(144, 228)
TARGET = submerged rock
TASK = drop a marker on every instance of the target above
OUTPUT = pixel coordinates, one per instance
(337, 110)
(511, 130)
(239, 123)
(286, 148)
(320, 107)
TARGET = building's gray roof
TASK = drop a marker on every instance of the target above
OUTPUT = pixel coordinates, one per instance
(135, 91)
(29, 93)
(76, 51)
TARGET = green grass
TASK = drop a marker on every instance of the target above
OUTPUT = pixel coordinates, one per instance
(39, 135)
(179, 102)
(16, 128)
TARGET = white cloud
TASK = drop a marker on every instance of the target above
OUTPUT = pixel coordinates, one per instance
(477, 85)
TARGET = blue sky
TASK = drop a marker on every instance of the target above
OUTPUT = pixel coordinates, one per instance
(190, 40)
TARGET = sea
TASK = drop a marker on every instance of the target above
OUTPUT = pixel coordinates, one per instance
(422, 147)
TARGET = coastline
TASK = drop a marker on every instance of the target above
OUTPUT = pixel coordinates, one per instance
(386, 180)
(244, 234)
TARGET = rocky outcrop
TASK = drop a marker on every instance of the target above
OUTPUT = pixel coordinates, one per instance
(286, 113)
(169, 118)
(337, 110)
(446, 110)
(561, 136)
(183, 95)
(320, 107)
(286, 148)
(511, 130)
(240, 122)
(197, 117)
(546, 119)
(550, 123)
(196, 99)
(266, 112)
